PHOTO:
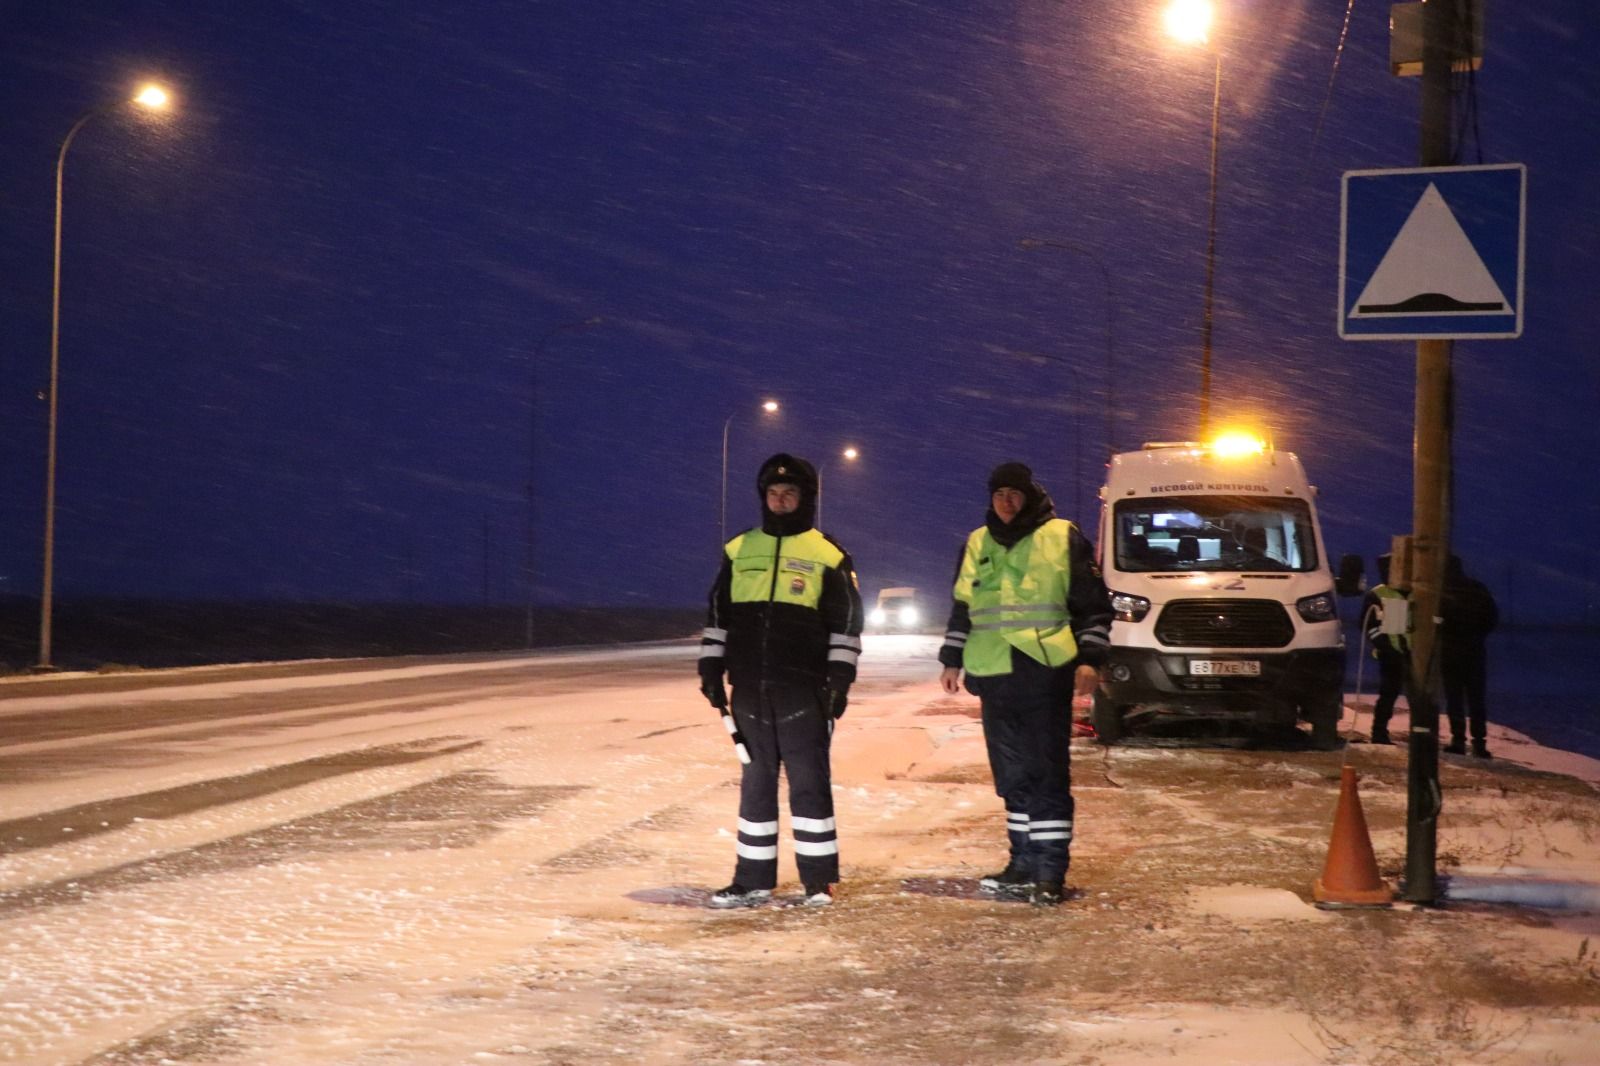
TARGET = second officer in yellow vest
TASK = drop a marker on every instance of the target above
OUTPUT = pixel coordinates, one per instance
(1392, 651)
(1030, 625)
(785, 626)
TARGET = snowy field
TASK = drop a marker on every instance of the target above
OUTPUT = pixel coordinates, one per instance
(505, 860)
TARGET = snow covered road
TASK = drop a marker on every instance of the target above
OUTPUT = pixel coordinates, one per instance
(503, 859)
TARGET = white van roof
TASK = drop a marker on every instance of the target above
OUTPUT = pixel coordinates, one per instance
(1188, 468)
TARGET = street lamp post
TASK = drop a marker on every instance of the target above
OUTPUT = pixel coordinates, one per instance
(1211, 254)
(533, 448)
(1111, 320)
(770, 407)
(151, 98)
(850, 454)
(1189, 21)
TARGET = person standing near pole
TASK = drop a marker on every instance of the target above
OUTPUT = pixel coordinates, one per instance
(1030, 625)
(1390, 645)
(784, 625)
(1467, 615)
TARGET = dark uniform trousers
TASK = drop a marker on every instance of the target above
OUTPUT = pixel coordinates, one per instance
(1465, 689)
(1391, 679)
(1027, 726)
(785, 725)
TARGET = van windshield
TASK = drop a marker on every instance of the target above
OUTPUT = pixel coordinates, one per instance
(1179, 534)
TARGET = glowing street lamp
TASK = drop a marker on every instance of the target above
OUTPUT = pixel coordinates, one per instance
(151, 98)
(1189, 22)
(154, 97)
(769, 407)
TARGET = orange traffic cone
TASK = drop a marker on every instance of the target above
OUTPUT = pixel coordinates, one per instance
(1350, 877)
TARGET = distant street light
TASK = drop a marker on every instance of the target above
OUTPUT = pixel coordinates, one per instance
(1111, 328)
(770, 407)
(150, 98)
(533, 448)
(1189, 22)
(849, 455)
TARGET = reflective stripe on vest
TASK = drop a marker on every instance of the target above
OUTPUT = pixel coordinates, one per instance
(790, 572)
(1017, 598)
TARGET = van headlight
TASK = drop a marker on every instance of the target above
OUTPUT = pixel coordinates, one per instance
(1319, 608)
(1129, 608)
(878, 616)
(908, 616)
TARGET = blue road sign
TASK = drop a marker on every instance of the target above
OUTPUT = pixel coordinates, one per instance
(1432, 252)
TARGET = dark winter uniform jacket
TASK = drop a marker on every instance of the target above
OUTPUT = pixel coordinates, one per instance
(784, 608)
(1467, 613)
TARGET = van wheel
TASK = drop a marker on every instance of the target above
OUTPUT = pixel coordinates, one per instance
(1324, 712)
(1106, 717)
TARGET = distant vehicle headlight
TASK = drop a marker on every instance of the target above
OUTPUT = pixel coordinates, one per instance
(909, 616)
(878, 616)
(1129, 608)
(1319, 608)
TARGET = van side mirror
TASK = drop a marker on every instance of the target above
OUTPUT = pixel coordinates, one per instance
(1352, 579)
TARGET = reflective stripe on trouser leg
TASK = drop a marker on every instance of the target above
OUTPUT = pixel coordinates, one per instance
(785, 726)
(1050, 805)
(1027, 723)
(1017, 836)
(757, 847)
(803, 739)
(1005, 743)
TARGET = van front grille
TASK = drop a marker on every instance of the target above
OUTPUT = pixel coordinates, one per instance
(1224, 624)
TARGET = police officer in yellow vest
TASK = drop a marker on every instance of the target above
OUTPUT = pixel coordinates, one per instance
(1030, 625)
(785, 625)
(1391, 651)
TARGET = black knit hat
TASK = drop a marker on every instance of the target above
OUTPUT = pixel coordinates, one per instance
(1012, 476)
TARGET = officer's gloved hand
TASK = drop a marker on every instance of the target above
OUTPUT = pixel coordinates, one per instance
(711, 683)
(835, 697)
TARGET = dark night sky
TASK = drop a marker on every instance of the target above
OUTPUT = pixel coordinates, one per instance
(301, 316)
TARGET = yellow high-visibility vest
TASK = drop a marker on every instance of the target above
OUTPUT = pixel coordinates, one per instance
(1017, 598)
(1402, 642)
(763, 571)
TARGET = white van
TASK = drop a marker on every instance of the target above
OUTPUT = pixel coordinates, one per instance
(896, 611)
(1223, 595)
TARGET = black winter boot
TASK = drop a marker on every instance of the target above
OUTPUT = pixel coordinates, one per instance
(737, 895)
(1014, 880)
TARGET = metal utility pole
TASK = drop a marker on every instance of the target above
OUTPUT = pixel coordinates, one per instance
(1430, 496)
(1211, 256)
